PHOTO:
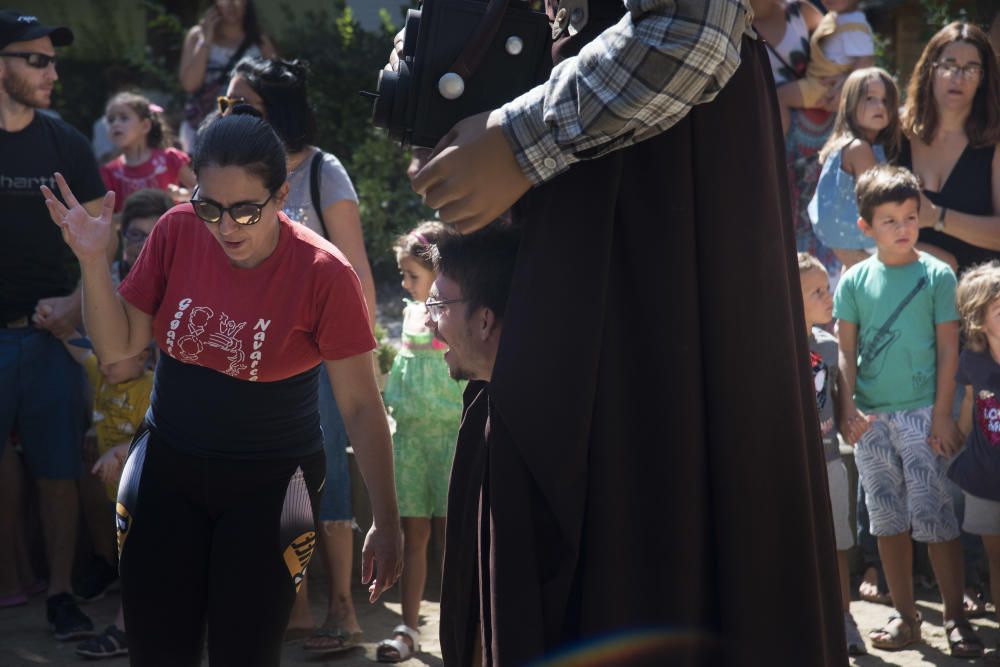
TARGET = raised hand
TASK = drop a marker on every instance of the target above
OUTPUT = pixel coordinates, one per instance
(88, 237)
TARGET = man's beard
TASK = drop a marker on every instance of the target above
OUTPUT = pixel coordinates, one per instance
(22, 92)
(459, 373)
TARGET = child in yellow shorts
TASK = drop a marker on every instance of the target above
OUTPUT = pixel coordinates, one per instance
(121, 399)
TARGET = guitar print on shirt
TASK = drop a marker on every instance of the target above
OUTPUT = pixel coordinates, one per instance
(872, 350)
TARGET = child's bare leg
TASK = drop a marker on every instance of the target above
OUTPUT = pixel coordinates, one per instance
(896, 552)
(845, 580)
(417, 533)
(992, 544)
(949, 570)
(301, 616)
(849, 256)
(59, 507)
(440, 528)
(337, 541)
(97, 513)
(338, 550)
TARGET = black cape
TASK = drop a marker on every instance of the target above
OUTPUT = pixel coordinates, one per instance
(645, 470)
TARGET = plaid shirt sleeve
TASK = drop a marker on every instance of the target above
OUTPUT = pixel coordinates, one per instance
(635, 80)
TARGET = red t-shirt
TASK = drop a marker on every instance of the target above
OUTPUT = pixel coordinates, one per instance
(160, 170)
(299, 306)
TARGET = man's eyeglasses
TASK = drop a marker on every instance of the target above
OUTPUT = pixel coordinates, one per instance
(226, 103)
(967, 72)
(36, 60)
(244, 213)
(137, 236)
(435, 308)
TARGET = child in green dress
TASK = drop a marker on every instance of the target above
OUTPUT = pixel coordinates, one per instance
(427, 406)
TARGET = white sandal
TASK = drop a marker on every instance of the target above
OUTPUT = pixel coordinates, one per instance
(401, 648)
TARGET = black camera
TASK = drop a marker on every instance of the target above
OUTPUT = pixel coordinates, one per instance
(459, 58)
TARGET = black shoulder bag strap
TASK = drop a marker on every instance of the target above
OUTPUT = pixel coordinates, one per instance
(314, 168)
(227, 70)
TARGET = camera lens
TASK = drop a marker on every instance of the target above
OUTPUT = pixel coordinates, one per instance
(410, 36)
(389, 110)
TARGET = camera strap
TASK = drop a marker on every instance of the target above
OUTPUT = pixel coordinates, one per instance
(314, 167)
(475, 49)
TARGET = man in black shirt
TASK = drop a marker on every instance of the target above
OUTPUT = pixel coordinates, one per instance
(41, 388)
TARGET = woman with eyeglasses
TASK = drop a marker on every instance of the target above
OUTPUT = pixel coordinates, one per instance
(951, 122)
(951, 127)
(217, 498)
(322, 198)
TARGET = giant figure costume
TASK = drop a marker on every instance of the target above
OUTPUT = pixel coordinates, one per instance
(645, 470)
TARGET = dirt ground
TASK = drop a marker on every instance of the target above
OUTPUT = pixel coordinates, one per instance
(934, 648)
(25, 641)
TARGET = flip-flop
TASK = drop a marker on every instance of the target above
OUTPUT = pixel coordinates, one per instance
(348, 640)
(974, 603)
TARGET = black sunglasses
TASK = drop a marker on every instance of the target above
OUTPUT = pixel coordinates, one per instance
(36, 60)
(244, 213)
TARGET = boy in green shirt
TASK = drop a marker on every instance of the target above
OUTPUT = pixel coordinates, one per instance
(898, 327)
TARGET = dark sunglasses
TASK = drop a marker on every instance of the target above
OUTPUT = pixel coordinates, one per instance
(36, 60)
(226, 103)
(244, 213)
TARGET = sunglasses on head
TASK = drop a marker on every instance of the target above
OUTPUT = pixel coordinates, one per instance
(36, 60)
(226, 103)
(244, 213)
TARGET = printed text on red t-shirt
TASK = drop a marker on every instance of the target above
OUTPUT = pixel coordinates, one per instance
(189, 334)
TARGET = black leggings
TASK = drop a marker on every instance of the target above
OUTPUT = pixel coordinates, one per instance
(217, 542)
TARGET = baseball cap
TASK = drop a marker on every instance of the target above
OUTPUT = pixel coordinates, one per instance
(18, 27)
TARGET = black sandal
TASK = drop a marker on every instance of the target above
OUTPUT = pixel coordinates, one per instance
(963, 640)
(109, 644)
(974, 603)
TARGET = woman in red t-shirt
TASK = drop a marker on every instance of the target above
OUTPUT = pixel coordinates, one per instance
(147, 160)
(215, 504)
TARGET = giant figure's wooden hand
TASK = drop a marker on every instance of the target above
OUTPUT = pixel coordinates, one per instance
(471, 176)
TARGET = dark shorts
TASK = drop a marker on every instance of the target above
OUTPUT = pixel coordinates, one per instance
(42, 399)
(336, 502)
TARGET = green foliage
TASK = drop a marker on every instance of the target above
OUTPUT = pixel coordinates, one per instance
(107, 56)
(344, 60)
(939, 14)
(884, 56)
(385, 352)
